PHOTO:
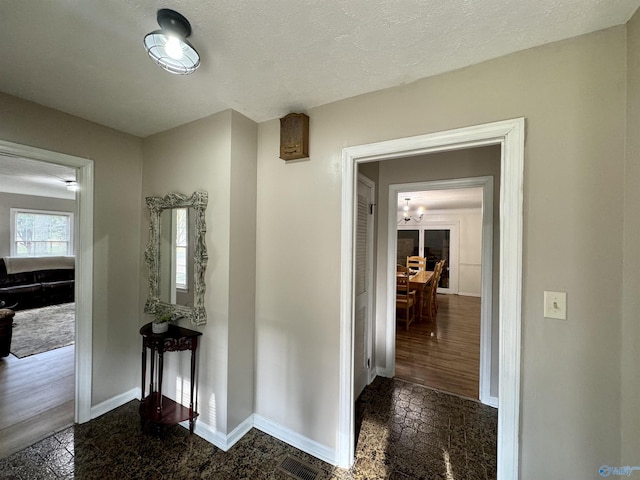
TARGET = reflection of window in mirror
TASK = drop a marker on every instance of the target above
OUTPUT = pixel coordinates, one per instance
(181, 235)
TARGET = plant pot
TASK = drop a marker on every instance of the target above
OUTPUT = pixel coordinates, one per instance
(159, 327)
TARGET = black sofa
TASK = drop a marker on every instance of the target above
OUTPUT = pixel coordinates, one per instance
(37, 288)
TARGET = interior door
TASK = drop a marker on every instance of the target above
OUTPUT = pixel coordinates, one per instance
(362, 348)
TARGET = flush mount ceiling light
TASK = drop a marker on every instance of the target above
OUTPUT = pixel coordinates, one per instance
(168, 47)
(72, 185)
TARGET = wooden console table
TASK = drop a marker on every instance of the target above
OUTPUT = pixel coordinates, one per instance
(155, 408)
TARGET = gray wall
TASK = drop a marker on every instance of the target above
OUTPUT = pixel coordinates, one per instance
(630, 380)
(215, 154)
(572, 94)
(116, 230)
(13, 200)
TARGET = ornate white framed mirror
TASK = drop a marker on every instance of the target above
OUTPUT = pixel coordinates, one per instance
(177, 256)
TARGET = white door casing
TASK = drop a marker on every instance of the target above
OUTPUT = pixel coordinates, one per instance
(363, 320)
(83, 240)
(510, 134)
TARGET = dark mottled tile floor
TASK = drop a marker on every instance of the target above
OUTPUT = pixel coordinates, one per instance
(405, 432)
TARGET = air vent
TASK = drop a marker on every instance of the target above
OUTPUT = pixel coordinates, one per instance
(299, 469)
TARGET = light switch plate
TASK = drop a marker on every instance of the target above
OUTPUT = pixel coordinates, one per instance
(555, 305)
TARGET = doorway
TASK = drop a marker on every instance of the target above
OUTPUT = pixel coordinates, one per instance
(474, 257)
(83, 285)
(509, 135)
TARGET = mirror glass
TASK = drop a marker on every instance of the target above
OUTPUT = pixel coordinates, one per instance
(176, 256)
(177, 235)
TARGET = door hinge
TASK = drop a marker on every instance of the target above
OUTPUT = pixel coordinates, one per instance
(368, 363)
(371, 205)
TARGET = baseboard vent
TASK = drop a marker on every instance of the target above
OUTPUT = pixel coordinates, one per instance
(298, 469)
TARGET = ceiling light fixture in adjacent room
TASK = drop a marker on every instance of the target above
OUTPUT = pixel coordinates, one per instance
(406, 216)
(72, 185)
(168, 47)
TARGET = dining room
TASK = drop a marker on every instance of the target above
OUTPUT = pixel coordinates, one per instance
(438, 294)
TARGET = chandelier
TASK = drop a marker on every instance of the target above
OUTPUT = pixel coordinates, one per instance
(406, 215)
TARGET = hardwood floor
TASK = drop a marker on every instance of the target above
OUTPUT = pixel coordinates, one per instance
(36, 397)
(444, 355)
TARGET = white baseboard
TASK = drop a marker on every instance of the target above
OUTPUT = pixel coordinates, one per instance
(384, 372)
(115, 402)
(209, 434)
(492, 402)
(464, 294)
(223, 442)
(267, 426)
(296, 440)
(240, 431)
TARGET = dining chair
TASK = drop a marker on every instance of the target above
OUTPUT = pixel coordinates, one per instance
(417, 263)
(401, 269)
(439, 267)
(432, 294)
(405, 299)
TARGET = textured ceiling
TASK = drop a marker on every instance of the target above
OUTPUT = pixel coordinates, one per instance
(31, 177)
(263, 58)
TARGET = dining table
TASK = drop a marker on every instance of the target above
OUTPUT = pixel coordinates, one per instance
(418, 282)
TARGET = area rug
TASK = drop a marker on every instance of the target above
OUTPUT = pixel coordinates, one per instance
(42, 329)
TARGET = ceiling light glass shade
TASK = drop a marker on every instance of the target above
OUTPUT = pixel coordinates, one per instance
(169, 47)
(174, 54)
(406, 215)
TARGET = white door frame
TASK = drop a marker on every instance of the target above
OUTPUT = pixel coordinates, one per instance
(510, 134)
(486, 312)
(84, 266)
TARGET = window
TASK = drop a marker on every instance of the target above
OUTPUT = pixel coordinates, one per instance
(408, 244)
(36, 233)
(436, 247)
(181, 226)
(435, 241)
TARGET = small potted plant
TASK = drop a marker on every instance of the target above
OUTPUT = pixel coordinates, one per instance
(161, 322)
